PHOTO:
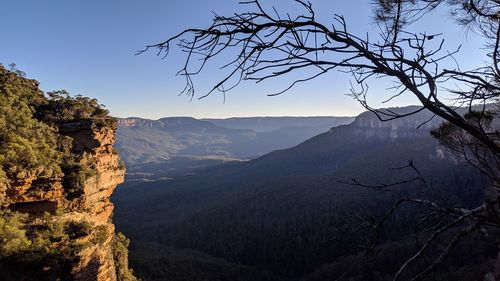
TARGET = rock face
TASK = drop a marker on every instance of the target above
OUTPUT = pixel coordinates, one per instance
(92, 145)
(368, 125)
(95, 145)
(135, 121)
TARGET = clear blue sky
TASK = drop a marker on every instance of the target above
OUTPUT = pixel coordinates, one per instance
(87, 47)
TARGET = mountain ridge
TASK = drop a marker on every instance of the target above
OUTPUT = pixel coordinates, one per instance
(144, 140)
(289, 211)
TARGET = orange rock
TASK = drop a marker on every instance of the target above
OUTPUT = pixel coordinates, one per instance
(33, 194)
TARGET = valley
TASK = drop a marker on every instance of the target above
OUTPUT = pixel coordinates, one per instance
(291, 214)
(251, 140)
(175, 146)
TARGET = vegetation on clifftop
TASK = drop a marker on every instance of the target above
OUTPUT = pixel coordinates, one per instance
(37, 153)
(61, 107)
(26, 143)
(30, 145)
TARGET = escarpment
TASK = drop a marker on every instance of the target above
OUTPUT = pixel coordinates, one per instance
(93, 146)
(58, 170)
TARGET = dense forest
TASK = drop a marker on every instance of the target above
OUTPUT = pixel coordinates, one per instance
(378, 199)
(296, 213)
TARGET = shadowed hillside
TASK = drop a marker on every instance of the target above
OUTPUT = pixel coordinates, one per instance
(289, 213)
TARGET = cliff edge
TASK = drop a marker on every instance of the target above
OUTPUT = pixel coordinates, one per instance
(58, 170)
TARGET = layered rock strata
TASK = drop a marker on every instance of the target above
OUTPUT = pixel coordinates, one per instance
(36, 195)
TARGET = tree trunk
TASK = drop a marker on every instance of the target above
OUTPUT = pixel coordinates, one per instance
(493, 215)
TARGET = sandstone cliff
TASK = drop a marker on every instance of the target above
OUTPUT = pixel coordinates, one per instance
(55, 216)
(95, 145)
(34, 195)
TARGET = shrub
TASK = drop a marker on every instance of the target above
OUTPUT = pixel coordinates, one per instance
(26, 144)
(76, 174)
(77, 229)
(100, 235)
(12, 235)
(120, 253)
(61, 107)
(29, 141)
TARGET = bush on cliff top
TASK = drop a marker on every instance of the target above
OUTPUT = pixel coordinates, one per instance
(26, 144)
(29, 141)
(30, 145)
(61, 107)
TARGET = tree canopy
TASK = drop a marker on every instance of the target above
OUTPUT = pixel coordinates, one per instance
(264, 43)
(30, 145)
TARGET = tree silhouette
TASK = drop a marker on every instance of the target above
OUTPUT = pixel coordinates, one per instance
(271, 44)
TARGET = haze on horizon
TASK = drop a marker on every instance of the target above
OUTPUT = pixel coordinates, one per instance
(88, 48)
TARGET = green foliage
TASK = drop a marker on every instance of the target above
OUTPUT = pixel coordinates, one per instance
(61, 107)
(12, 235)
(29, 142)
(31, 146)
(54, 228)
(76, 170)
(31, 239)
(100, 234)
(120, 254)
(76, 174)
(43, 235)
(26, 144)
(78, 229)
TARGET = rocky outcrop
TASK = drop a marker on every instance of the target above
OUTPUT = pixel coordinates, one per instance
(135, 121)
(92, 146)
(369, 125)
(34, 194)
(58, 169)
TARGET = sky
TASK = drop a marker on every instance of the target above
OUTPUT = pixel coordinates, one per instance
(88, 48)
